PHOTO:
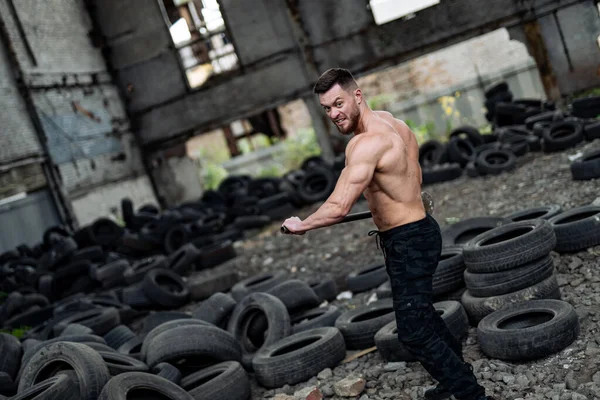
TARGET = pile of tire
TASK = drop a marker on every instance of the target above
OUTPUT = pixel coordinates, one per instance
(519, 127)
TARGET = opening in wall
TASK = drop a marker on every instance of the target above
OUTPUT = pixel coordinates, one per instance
(201, 37)
(388, 10)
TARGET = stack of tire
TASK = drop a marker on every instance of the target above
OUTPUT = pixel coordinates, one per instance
(509, 264)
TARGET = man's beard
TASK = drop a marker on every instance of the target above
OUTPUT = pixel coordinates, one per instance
(352, 122)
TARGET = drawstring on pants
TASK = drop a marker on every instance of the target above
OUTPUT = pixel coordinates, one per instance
(378, 241)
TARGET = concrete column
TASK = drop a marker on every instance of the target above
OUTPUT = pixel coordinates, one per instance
(322, 127)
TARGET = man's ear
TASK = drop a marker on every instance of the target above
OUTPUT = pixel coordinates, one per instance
(358, 95)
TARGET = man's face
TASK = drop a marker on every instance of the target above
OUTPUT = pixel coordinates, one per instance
(342, 108)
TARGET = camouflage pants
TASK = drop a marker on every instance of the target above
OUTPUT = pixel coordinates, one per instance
(411, 253)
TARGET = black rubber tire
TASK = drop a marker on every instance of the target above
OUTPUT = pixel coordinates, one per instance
(127, 212)
(431, 153)
(203, 286)
(592, 131)
(316, 318)
(7, 386)
(469, 132)
(562, 135)
(145, 385)
(325, 288)
(118, 336)
(461, 151)
(295, 294)
(391, 349)
(135, 297)
(444, 173)
(543, 212)
(247, 222)
(257, 283)
(478, 307)
(94, 254)
(168, 372)
(120, 363)
(367, 278)
(577, 229)
(547, 116)
(11, 351)
(587, 167)
(316, 186)
(101, 320)
(166, 288)
(496, 161)
(503, 282)
(216, 309)
(384, 290)
(223, 381)
(132, 347)
(110, 274)
(92, 373)
(509, 334)
(299, 357)
(460, 233)
(448, 275)
(509, 246)
(164, 327)
(76, 329)
(157, 318)
(183, 260)
(217, 253)
(61, 386)
(191, 347)
(140, 268)
(278, 320)
(99, 346)
(360, 325)
(496, 89)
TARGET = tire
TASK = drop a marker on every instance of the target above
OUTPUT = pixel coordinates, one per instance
(296, 295)
(299, 357)
(448, 275)
(367, 278)
(94, 254)
(182, 261)
(139, 268)
(165, 288)
(496, 89)
(460, 233)
(587, 167)
(215, 310)
(155, 319)
(61, 386)
(100, 320)
(431, 153)
(135, 297)
(509, 246)
(359, 326)
(528, 330)
(316, 318)
(325, 288)
(146, 385)
(592, 131)
(247, 222)
(223, 381)
(547, 116)
(202, 287)
(193, 346)
(577, 229)
(496, 161)
(168, 372)
(384, 290)
(216, 254)
(245, 311)
(120, 363)
(118, 336)
(478, 307)
(257, 283)
(165, 327)
(316, 186)
(460, 151)
(544, 212)
(443, 174)
(111, 274)
(499, 283)
(76, 329)
(127, 212)
(562, 135)
(471, 133)
(11, 351)
(454, 316)
(92, 373)
(132, 347)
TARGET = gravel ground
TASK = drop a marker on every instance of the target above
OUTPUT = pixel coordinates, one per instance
(540, 179)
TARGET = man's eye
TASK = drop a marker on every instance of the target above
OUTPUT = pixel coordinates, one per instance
(339, 104)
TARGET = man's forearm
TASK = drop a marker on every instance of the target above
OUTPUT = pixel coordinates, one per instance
(328, 214)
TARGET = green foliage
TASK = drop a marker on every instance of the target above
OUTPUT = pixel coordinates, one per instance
(380, 102)
(298, 148)
(423, 132)
(18, 332)
(212, 174)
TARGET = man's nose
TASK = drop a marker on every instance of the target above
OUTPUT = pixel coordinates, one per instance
(334, 114)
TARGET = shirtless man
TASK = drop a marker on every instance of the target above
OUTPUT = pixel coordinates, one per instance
(382, 161)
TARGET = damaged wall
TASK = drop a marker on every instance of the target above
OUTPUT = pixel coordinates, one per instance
(282, 46)
(78, 108)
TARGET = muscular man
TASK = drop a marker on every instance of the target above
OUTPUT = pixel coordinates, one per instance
(382, 161)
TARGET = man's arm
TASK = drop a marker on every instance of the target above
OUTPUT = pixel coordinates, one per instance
(361, 162)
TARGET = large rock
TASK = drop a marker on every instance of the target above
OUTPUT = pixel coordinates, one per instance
(349, 387)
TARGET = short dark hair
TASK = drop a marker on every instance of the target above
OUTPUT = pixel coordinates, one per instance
(329, 78)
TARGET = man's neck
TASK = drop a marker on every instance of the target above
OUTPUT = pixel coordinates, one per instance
(366, 114)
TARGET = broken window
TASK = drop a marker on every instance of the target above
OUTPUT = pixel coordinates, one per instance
(388, 10)
(201, 37)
